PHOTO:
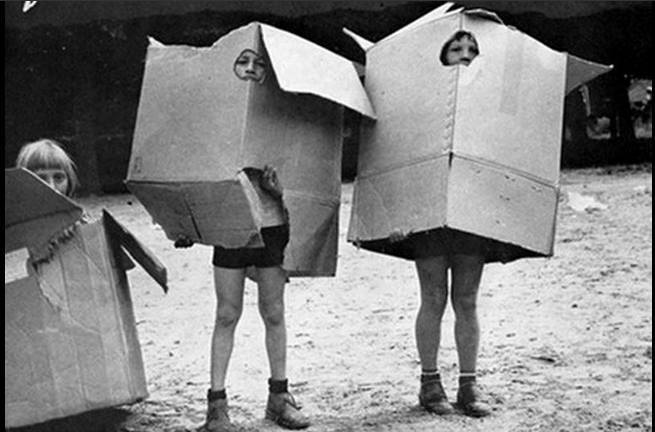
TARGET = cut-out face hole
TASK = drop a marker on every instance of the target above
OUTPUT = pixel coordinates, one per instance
(250, 66)
(461, 48)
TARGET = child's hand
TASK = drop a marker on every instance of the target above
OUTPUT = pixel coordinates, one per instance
(183, 242)
(398, 235)
(270, 182)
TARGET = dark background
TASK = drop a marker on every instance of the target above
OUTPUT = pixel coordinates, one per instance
(73, 69)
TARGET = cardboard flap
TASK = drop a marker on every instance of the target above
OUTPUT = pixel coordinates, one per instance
(34, 212)
(363, 43)
(154, 43)
(136, 249)
(579, 71)
(304, 67)
(484, 14)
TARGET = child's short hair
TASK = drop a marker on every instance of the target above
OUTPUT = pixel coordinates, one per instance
(48, 154)
(459, 35)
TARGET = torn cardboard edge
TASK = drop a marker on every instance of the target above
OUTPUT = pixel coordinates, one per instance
(71, 335)
(28, 203)
(39, 218)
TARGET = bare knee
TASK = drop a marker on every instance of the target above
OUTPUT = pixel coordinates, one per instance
(465, 305)
(272, 313)
(227, 315)
(434, 299)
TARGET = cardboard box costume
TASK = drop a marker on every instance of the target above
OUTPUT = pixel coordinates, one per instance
(71, 343)
(199, 125)
(476, 148)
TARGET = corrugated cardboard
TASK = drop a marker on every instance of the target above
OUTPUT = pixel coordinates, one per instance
(199, 125)
(71, 343)
(473, 148)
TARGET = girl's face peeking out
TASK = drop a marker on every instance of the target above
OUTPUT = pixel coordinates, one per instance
(250, 66)
(56, 178)
(461, 51)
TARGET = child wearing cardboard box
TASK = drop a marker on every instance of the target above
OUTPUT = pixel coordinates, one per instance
(230, 267)
(435, 252)
(230, 270)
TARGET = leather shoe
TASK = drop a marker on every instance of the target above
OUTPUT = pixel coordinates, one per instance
(433, 398)
(469, 399)
(283, 410)
(217, 418)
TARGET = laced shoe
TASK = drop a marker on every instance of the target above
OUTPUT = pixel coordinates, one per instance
(283, 410)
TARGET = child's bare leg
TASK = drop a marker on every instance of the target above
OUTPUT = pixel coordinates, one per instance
(271, 308)
(466, 275)
(281, 406)
(229, 285)
(433, 278)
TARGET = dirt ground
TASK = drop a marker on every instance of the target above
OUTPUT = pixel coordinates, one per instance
(566, 341)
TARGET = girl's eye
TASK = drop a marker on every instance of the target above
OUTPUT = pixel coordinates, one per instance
(59, 178)
(260, 63)
(242, 61)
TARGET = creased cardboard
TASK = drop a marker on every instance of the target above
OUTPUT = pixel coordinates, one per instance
(71, 343)
(199, 125)
(473, 148)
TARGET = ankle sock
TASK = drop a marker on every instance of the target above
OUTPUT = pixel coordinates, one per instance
(213, 395)
(466, 377)
(430, 375)
(278, 386)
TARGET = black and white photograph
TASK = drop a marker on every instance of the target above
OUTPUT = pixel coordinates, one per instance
(331, 216)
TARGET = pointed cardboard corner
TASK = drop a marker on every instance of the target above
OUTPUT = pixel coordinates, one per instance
(364, 44)
(154, 43)
(34, 212)
(580, 71)
(303, 67)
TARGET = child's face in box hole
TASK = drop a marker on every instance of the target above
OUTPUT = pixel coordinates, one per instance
(250, 66)
(461, 51)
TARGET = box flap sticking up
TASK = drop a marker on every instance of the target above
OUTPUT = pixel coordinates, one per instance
(304, 67)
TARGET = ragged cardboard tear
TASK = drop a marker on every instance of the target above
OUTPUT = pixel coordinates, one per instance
(71, 343)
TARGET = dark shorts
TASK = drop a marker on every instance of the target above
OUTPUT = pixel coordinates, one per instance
(447, 242)
(271, 255)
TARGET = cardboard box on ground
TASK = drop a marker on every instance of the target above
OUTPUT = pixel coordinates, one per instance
(199, 125)
(71, 343)
(474, 148)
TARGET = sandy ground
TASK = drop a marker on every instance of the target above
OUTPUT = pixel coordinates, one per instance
(566, 341)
